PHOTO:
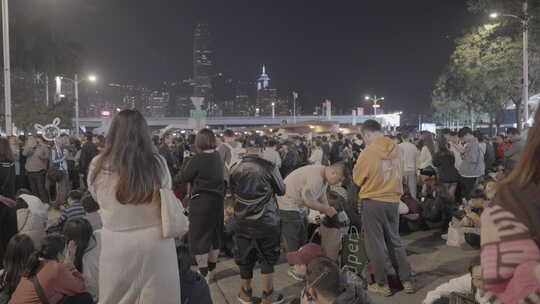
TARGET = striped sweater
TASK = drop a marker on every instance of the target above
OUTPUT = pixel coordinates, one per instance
(510, 245)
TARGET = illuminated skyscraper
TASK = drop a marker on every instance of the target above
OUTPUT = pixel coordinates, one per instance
(203, 69)
(264, 81)
(265, 95)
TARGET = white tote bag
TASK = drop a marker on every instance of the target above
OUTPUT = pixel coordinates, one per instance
(174, 222)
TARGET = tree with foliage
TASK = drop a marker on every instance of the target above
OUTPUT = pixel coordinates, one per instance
(513, 27)
(485, 72)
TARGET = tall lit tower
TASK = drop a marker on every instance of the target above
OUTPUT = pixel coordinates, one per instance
(265, 95)
(203, 69)
(264, 81)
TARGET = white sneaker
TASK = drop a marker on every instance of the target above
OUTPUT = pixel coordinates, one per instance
(211, 276)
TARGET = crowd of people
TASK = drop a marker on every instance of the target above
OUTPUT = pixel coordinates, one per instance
(255, 198)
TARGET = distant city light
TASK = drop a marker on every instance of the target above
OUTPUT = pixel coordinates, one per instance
(106, 113)
(494, 15)
(92, 78)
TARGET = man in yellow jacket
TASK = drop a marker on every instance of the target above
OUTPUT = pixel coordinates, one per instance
(378, 174)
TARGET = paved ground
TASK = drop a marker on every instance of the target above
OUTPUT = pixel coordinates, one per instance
(432, 261)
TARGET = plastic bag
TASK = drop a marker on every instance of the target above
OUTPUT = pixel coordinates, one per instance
(456, 237)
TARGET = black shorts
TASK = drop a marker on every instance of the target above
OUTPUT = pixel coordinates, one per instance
(248, 252)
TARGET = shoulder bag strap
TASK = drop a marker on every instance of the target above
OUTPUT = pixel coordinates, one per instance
(25, 220)
(39, 290)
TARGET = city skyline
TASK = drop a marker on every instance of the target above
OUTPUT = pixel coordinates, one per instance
(322, 50)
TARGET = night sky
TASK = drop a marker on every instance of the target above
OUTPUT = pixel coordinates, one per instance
(339, 50)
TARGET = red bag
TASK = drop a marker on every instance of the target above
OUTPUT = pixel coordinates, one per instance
(411, 203)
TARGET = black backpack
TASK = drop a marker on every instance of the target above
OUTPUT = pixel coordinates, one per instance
(432, 210)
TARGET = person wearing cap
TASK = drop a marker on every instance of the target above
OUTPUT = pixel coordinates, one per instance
(303, 256)
(326, 284)
(254, 183)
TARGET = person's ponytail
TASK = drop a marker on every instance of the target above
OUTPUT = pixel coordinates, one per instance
(51, 247)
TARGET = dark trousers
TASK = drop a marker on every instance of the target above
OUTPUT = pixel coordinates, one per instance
(37, 185)
(467, 185)
(82, 298)
(293, 229)
(381, 226)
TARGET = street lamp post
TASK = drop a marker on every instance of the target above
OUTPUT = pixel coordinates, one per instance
(295, 96)
(525, 24)
(375, 101)
(76, 82)
(7, 63)
(273, 110)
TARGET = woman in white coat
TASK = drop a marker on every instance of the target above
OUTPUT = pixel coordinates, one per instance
(136, 264)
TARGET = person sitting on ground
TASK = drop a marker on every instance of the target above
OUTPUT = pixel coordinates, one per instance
(50, 276)
(18, 252)
(32, 215)
(471, 222)
(326, 285)
(303, 256)
(193, 286)
(91, 208)
(74, 208)
(474, 211)
(87, 253)
(469, 284)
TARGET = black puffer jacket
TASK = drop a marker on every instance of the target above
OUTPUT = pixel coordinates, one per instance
(255, 183)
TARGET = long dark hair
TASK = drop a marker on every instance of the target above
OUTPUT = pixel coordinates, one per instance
(52, 245)
(18, 252)
(443, 147)
(428, 141)
(80, 231)
(528, 167)
(129, 152)
(5, 150)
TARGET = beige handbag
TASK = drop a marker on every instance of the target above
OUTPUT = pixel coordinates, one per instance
(174, 222)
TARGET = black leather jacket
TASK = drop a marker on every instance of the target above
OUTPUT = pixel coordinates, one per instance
(255, 183)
